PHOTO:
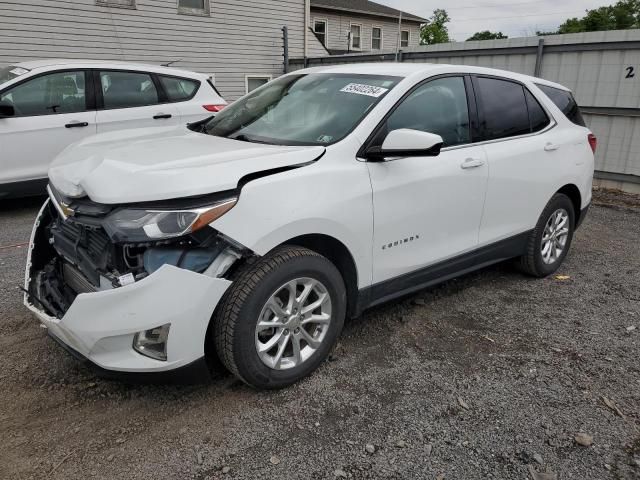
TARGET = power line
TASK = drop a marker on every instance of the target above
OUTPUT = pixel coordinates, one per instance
(492, 6)
(513, 16)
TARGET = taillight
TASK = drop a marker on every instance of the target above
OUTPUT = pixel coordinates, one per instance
(213, 108)
(593, 142)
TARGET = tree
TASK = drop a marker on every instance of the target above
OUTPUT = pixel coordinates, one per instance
(621, 16)
(487, 35)
(435, 30)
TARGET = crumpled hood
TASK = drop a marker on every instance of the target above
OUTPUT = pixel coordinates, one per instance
(150, 164)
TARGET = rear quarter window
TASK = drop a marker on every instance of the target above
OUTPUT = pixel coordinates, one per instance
(565, 101)
(537, 116)
(179, 89)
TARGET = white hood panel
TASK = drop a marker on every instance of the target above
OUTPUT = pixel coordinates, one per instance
(163, 163)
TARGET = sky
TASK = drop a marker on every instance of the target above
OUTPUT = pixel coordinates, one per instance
(517, 18)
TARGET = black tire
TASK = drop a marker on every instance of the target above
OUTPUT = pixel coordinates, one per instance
(237, 314)
(532, 262)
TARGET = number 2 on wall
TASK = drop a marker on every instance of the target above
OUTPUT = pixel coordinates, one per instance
(630, 72)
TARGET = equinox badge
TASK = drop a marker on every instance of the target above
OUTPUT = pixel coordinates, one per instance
(401, 242)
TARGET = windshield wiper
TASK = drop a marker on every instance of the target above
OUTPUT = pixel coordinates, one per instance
(245, 138)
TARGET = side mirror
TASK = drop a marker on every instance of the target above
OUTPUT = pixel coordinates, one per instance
(6, 110)
(405, 142)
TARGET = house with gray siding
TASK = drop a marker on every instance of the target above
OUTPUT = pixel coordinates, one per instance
(361, 26)
(238, 42)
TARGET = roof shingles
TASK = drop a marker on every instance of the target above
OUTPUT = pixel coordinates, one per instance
(364, 6)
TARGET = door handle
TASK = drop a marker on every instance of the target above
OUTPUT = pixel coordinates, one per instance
(76, 125)
(550, 147)
(472, 163)
(161, 116)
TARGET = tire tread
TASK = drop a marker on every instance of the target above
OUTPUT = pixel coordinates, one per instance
(246, 279)
(527, 262)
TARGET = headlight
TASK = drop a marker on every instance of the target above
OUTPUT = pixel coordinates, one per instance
(141, 225)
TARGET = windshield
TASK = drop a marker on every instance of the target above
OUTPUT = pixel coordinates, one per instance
(313, 109)
(9, 73)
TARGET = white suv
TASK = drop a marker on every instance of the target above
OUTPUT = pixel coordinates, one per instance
(47, 105)
(252, 236)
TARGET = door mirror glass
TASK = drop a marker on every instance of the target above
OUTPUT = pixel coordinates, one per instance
(406, 142)
(6, 110)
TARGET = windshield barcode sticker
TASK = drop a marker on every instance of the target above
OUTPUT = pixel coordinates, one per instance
(368, 90)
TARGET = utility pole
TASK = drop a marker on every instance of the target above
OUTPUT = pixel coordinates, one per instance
(399, 36)
(285, 53)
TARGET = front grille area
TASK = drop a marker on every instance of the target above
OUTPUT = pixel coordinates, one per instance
(87, 247)
(74, 255)
(93, 239)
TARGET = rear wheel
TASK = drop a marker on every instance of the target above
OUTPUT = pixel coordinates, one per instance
(280, 318)
(549, 242)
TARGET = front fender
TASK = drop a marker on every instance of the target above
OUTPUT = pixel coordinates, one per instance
(324, 198)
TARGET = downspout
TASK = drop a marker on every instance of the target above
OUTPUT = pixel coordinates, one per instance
(399, 36)
(307, 21)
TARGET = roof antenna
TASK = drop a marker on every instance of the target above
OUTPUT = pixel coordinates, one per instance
(168, 64)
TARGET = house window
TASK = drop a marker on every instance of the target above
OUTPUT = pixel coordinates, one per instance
(356, 43)
(376, 38)
(320, 29)
(256, 81)
(117, 3)
(193, 7)
(404, 38)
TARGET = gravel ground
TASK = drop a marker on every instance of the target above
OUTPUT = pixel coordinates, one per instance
(489, 376)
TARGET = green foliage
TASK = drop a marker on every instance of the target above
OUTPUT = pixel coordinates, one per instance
(621, 16)
(435, 30)
(487, 35)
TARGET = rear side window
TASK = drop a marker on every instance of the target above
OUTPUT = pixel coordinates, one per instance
(127, 89)
(537, 116)
(564, 101)
(179, 89)
(504, 108)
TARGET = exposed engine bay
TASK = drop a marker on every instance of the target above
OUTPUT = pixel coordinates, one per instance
(74, 254)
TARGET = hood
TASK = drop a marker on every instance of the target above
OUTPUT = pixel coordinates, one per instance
(163, 163)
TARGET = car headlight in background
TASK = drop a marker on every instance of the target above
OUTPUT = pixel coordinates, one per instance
(143, 225)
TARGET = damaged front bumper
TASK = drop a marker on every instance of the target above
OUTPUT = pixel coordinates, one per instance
(100, 325)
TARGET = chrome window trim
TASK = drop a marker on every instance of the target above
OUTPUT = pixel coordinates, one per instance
(552, 124)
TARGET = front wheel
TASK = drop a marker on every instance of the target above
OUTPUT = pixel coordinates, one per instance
(280, 318)
(549, 242)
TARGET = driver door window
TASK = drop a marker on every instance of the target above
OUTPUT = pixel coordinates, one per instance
(440, 107)
(60, 92)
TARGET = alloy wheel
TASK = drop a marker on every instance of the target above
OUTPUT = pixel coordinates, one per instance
(554, 238)
(293, 323)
